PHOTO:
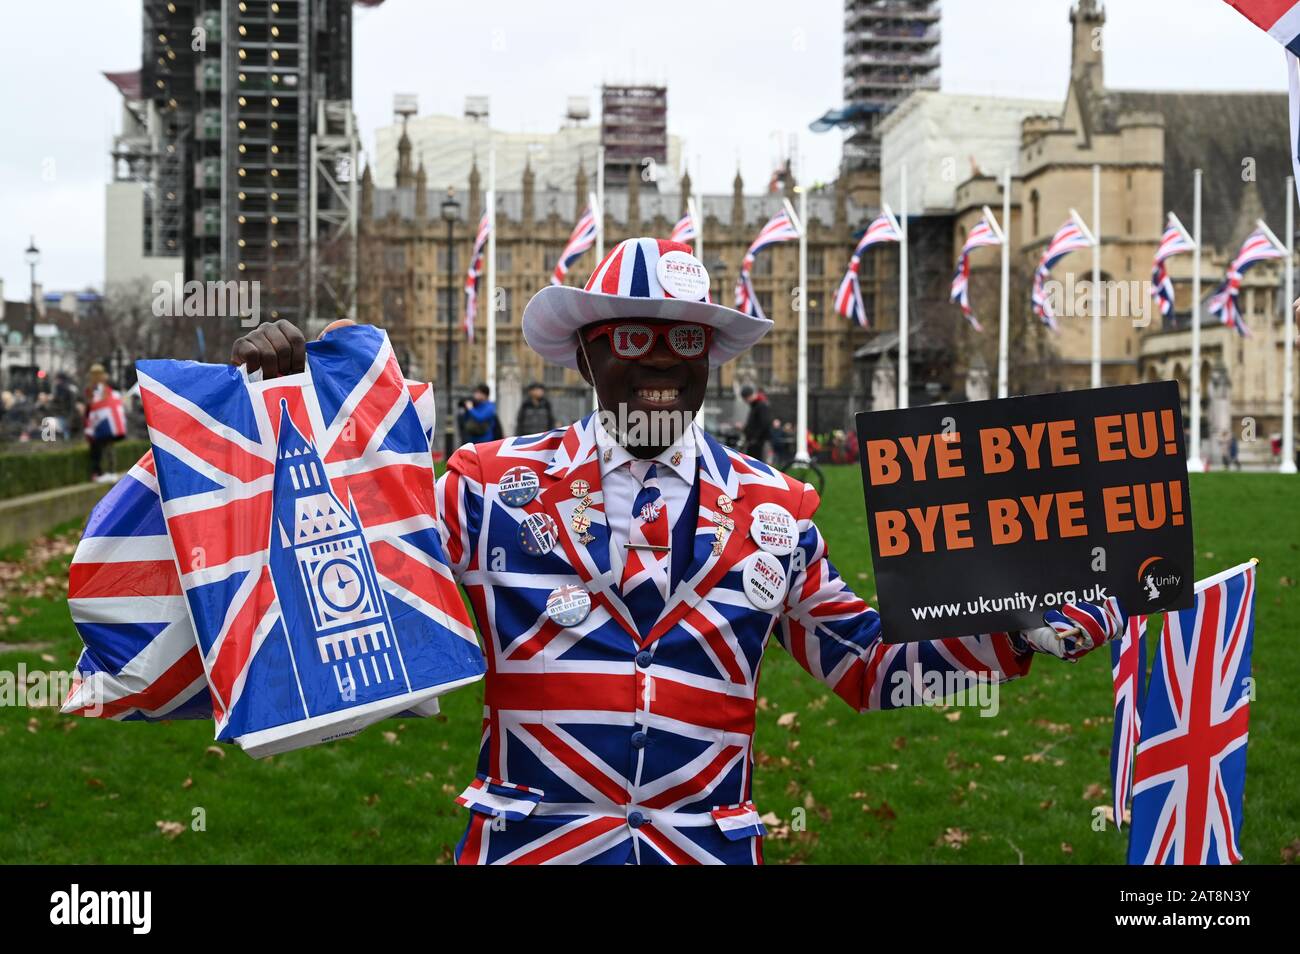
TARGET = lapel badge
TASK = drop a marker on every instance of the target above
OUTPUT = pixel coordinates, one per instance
(517, 486)
(581, 523)
(725, 504)
(538, 534)
(585, 539)
(676, 458)
(579, 488)
(609, 452)
(568, 605)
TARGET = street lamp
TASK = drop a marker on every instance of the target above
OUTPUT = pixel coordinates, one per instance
(33, 256)
(719, 268)
(450, 213)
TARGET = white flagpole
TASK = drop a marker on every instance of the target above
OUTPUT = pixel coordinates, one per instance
(693, 210)
(1287, 464)
(902, 293)
(1004, 308)
(599, 213)
(600, 202)
(801, 378)
(490, 362)
(1096, 276)
(1194, 462)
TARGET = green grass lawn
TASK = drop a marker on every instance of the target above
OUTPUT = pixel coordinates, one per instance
(921, 785)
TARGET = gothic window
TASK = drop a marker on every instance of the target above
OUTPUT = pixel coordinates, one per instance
(1033, 212)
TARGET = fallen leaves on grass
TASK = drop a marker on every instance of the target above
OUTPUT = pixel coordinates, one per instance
(952, 838)
(1094, 792)
(1067, 848)
(171, 830)
(787, 720)
(1291, 852)
(216, 750)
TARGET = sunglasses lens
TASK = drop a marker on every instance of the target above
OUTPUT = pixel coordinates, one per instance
(631, 341)
(688, 341)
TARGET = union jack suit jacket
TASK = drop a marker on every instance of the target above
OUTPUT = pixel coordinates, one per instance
(604, 745)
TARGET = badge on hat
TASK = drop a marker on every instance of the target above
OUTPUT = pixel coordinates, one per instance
(774, 529)
(517, 486)
(538, 534)
(764, 580)
(682, 275)
(568, 605)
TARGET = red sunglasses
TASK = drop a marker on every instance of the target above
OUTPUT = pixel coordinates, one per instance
(631, 340)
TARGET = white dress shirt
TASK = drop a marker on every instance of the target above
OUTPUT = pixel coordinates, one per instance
(620, 487)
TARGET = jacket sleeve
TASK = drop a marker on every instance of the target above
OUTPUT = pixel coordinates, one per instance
(460, 509)
(836, 636)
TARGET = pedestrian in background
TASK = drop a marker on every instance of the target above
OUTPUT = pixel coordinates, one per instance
(535, 414)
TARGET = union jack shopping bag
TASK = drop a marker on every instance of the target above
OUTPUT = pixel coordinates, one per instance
(300, 513)
(140, 661)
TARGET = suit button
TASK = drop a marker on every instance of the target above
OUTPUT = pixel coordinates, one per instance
(636, 819)
(639, 740)
(643, 659)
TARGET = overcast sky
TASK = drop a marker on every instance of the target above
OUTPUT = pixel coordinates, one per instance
(741, 78)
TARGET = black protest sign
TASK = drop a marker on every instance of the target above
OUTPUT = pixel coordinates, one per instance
(983, 515)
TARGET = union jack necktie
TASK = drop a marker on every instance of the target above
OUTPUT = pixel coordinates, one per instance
(645, 570)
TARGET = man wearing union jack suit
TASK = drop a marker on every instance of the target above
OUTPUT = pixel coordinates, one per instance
(627, 579)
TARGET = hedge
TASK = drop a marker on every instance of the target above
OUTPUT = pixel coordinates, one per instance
(30, 471)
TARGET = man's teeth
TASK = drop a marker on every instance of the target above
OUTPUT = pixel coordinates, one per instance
(657, 395)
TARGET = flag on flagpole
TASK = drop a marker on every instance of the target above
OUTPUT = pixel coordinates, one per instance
(684, 231)
(1128, 667)
(1071, 237)
(472, 276)
(1175, 241)
(1190, 773)
(1260, 246)
(848, 298)
(981, 235)
(582, 238)
(1280, 19)
(779, 228)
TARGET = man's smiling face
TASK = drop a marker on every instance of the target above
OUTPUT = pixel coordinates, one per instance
(659, 380)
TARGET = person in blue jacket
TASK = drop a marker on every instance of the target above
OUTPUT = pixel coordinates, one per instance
(478, 419)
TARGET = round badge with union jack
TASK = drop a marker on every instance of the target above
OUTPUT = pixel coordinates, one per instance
(517, 486)
(538, 534)
(568, 605)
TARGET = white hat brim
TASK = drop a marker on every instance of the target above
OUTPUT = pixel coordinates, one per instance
(553, 316)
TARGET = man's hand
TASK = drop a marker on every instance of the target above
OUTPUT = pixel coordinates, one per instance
(1076, 629)
(276, 348)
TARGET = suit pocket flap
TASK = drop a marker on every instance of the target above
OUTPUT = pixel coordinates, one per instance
(497, 797)
(738, 821)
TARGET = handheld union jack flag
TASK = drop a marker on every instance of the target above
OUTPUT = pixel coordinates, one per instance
(1070, 237)
(301, 514)
(1260, 246)
(779, 228)
(1280, 19)
(141, 661)
(1175, 241)
(582, 238)
(982, 235)
(1190, 774)
(105, 418)
(1128, 668)
(848, 297)
(472, 276)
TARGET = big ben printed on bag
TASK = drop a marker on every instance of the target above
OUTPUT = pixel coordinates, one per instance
(301, 515)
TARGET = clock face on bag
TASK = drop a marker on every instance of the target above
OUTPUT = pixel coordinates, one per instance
(340, 585)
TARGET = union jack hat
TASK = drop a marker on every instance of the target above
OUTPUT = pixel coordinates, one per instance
(639, 278)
